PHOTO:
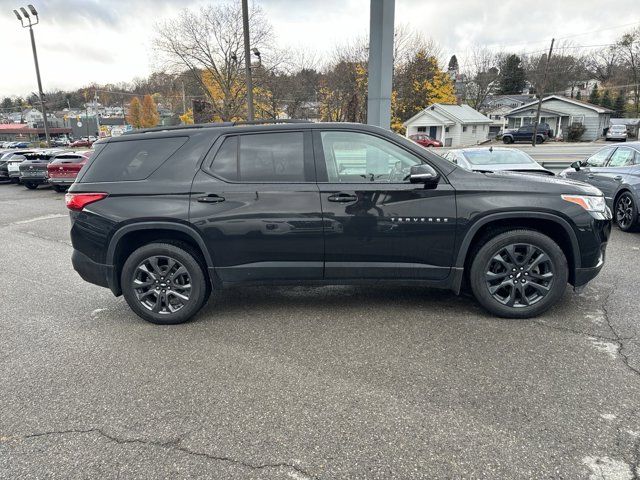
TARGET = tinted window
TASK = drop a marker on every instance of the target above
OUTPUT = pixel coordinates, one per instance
(358, 157)
(598, 159)
(265, 157)
(622, 157)
(131, 160)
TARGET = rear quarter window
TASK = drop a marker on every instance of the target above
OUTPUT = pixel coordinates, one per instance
(131, 160)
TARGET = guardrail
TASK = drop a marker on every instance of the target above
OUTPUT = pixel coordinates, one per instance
(555, 166)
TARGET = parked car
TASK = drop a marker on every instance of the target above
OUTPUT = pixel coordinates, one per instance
(425, 140)
(19, 145)
(493, 159)
(33, 170)
(617, 132)
(81, 143)
(64, 168)
(615, 170)
(165, 216)
(60, 142)
(525, 134)
(4, 161)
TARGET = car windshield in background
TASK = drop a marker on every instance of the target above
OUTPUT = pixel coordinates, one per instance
(497, 157)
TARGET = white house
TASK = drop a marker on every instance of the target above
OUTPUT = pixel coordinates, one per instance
(562, 112)
(453, 125)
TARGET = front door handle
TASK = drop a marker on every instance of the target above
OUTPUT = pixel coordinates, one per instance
(211, 198)
(343, 197)
(591, 175)
(618, 177)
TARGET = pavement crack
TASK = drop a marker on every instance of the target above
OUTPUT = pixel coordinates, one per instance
(619, 340)
(577, 332)
(174, 444)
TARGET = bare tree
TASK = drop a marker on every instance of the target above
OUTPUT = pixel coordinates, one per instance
(209, 44)
(483, 74)
(630, 51)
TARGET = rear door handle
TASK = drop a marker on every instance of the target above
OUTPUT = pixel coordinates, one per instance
(618, 177)
(211, 198)
(343, 197)
(591, 175)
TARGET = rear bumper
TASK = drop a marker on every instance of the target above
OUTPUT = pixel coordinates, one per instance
(61, 181)
(38, 180)
(93, 272)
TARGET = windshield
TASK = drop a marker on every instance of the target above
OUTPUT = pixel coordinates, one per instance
(497, 157)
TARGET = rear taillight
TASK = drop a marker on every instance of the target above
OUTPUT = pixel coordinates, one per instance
(77, 201)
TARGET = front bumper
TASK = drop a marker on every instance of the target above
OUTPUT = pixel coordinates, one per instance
(93, 272)
(585, 275)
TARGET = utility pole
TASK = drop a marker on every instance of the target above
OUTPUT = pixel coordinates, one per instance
(25, 16)
(543, 86)
(247, 60)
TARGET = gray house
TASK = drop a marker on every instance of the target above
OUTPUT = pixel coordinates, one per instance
(560, 113)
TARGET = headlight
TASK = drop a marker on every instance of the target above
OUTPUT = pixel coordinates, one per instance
(590, 203)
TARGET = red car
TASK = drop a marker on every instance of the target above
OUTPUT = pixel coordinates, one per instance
(64, 168)
(83, 142)
(425, 140)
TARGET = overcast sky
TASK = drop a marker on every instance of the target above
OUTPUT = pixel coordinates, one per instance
(84, 41)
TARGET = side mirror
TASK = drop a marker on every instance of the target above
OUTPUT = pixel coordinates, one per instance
(576, 165)
(424, 173)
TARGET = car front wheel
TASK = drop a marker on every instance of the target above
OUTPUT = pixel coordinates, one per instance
(626, 213)
(31, 185)
(519, 274)
(507, 140)
(164, 283)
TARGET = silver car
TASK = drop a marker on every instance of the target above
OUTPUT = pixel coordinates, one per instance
(617, 132)
(493, 159)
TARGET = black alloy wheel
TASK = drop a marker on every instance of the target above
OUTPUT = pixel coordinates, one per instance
(519, 275)
(626, 212)
(164, 283)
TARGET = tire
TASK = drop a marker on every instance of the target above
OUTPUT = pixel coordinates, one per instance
(151, 263)
(15, 180)
(544, 275)
(539, 139)
(507, 140)
(429, 146)
(31, 185)
(59, 188)
(626, 212)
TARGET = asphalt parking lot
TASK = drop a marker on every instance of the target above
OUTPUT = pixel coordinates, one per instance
(308, 383)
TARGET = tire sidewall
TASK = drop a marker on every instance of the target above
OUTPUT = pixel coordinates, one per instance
(492, 246)
(198, 283)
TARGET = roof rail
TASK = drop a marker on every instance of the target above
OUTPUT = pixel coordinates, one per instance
(218, 124)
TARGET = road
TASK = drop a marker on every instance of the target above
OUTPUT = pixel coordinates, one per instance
(307, 383)
(558, 152)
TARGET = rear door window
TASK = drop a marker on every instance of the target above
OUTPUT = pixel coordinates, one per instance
(264, 157)
(131, 160)
(622, 157)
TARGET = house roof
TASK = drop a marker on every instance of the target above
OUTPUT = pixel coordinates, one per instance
(450, 114)
(580, 103)
(516, 97)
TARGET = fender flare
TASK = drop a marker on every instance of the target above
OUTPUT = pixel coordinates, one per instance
(463, 250)
(153, 225)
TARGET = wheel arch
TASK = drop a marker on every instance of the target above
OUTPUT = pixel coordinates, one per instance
(551, 225)
(130, 237)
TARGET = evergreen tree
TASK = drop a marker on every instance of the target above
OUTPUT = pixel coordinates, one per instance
(594, 96)
(512, 76)
(453, 63)
(620, 104)
(578, 95)
(607, 101)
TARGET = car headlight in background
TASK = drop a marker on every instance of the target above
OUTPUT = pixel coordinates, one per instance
(591, 203)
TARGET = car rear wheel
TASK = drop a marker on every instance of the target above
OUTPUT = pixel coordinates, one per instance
(519, 274)
(539, 139)
(507, 140)
(164, 284)
(31, 185)
(626, 213)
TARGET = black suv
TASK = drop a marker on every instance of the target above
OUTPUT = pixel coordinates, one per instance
(165, 216)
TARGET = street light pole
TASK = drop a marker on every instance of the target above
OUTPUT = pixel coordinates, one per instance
(30, 25)
(247, 60)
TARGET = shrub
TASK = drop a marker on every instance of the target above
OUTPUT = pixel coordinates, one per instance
(576, 130)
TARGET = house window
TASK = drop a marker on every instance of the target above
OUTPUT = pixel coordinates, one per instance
(577, 119)
(526, 121)
(474, 130)
(422, 129)
(446, 129)
(464, 128)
